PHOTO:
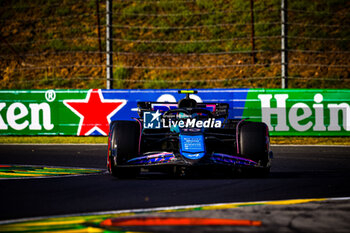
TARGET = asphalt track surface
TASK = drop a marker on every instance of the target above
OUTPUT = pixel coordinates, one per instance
(297, 172)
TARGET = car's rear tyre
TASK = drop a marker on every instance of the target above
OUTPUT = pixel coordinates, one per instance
(254, 144)
(123, 144)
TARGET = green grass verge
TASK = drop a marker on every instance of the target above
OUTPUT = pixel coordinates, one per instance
(311, 140)
(92, 140)
(51, 140)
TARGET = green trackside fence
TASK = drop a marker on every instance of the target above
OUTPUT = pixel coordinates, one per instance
(287, 112)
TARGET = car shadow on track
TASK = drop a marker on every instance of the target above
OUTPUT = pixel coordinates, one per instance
(198, 176)
(240, 175)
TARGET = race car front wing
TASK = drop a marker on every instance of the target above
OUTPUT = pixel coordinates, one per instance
(169, 158)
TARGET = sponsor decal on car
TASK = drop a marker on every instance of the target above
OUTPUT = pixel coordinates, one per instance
(192, 146)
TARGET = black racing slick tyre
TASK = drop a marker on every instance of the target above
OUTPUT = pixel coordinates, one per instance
(123, 144)
(254, 144)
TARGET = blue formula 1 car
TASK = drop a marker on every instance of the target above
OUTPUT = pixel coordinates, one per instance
(185, 137)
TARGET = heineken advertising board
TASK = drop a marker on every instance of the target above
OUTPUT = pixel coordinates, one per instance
(89, 112)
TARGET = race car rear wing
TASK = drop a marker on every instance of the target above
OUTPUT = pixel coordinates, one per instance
(219, 110)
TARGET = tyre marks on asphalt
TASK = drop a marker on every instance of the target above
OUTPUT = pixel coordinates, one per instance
(24, 171)
(126, 220)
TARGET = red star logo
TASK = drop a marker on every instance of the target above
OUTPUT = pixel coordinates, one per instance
(94, 111)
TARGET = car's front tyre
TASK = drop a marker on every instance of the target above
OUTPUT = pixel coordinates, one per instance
(254, 144)
(123, 144)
